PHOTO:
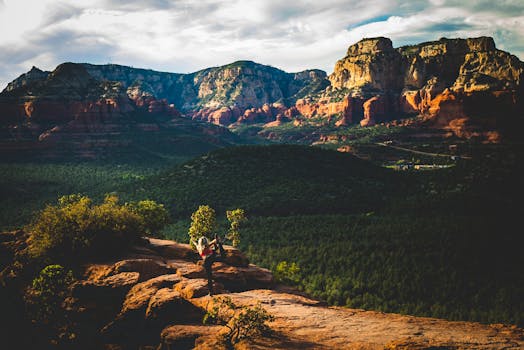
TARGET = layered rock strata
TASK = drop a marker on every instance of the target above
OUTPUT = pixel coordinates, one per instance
(465, 85)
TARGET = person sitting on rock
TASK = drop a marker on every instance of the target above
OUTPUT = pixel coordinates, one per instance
(208, 252)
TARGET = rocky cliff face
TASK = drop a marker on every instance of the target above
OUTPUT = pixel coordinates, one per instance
(370, 65)
(241, 85)
(34, 74)
(467, 65)
(465, 85)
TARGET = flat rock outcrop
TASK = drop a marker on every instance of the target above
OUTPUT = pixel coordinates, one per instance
(159, 299)
(164, 311)
(303, 323)
(154, 286)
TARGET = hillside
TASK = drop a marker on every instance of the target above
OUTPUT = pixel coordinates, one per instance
(241, 84)
(278, 180)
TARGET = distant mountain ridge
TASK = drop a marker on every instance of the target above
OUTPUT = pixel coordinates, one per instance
(67, 112)
(465, 86)
(243, 83)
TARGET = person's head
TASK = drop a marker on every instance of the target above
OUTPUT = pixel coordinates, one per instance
(202, 241)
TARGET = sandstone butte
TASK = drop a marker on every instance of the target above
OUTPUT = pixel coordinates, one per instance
(156, 296)
(464, 85)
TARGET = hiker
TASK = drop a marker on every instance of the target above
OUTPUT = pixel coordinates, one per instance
(208, 253)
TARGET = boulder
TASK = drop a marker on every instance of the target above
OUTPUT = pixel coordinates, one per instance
(189, 337)
(137, 299)
(115, 286)
(257, 277)
(147, 309)
(98, 299)
(235, 257)
(196, 288)
(231, 277)
(97, 272)
(147, 268)
(169, 306)
(187, 269)
(242, 278)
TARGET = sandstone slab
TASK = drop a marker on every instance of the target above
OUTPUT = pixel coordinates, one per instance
(242, 278)
(187, 269)
(115, 285)
(169, 306)
(173, 250)
(235, 257)
(196, 288)
(190, 337)
(138, 297)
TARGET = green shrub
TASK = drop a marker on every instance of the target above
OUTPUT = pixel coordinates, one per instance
(47, 293)
(204, 223)
(235, 217)
(287, 272)
(76, 228)
(242, 322)
(154, 215)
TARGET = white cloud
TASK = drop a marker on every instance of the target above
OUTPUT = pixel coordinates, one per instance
(186, 35)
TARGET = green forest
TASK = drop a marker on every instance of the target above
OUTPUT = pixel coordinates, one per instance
(440, 243)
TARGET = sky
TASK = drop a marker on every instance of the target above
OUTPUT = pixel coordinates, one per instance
(185, 36)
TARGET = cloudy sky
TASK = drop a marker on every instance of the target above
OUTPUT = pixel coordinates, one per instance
(188, 35)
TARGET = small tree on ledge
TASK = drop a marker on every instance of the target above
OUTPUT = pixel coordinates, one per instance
(235, 217)
(242, 322)
(204, 224)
